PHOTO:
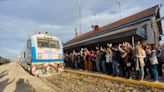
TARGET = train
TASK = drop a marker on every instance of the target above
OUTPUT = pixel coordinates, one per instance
(43, 55)
(4, 60)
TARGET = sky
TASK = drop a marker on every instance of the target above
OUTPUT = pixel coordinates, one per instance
(20, 19)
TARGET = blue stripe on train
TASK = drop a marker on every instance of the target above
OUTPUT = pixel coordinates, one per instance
(33, 50)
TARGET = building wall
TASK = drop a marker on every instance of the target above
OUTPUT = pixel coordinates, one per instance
(152, 31)
(150, 34)
(155, 30)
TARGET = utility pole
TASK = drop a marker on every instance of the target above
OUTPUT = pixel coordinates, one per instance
(95, 15)
(119, 6)
(79, 7)
(76, 33)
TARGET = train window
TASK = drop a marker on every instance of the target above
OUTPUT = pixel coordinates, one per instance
(29, 44)
(54, 44)
(43, 43)
(24, 55)
(48, 43)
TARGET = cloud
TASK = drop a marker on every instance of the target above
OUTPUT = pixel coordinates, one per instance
(9, 53)
(43, 11)
(105, 17)
(15, 32)
(62, 32)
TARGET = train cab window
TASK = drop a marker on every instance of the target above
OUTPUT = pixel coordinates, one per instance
(48, 43)
(43, 43)
(54, 44)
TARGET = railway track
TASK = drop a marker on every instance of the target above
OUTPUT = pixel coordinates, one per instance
(82, 81)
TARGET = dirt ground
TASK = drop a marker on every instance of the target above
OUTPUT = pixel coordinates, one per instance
(71, 82)
(13, 78)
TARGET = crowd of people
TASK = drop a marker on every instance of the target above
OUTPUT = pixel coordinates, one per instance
(120, 60)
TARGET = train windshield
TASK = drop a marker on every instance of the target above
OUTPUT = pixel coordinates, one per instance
(48, 43)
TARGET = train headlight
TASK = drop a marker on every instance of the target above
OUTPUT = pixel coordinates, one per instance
(39, 55)
(48, 36)
(59, 56)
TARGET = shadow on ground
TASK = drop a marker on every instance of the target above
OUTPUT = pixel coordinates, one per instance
(4, 82)
(23, 85)
(3, 73)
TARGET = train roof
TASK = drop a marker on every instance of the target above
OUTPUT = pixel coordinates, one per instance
(42, 35)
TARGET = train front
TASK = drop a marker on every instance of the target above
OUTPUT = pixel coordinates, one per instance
(47, 55)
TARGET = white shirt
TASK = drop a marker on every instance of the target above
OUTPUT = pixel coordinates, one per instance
(109, 58)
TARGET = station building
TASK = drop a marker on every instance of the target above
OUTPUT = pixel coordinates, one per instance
(142, 26)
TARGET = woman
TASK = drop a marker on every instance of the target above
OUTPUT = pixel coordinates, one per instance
(126, 55)
(103, 59)
(78, 60)
(97, 59)
(140, 55)
(89, 62)
(147, 62)
(70, 60)
(109, 61)
(160, 61)
(85, 59)
(93, 63)
(115, 61)
(162, 56)
(66, 59)
(162, 53)
(154, 62)
(82, 59)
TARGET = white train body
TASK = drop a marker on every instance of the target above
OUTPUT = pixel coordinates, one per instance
(43, 55)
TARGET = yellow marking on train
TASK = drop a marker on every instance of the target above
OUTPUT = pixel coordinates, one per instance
(107, 77)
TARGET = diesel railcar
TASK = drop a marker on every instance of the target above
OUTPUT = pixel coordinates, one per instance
(43, 55)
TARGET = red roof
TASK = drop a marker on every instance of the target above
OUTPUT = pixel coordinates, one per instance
(142, 14)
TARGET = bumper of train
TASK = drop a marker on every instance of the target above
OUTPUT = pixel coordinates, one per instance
(47, 68)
